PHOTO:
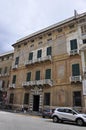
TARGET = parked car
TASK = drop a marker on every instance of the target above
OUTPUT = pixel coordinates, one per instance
(68, 114)
(47, 113)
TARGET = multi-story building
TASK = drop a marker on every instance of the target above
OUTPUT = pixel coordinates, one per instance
(5, 68)
(47, 69)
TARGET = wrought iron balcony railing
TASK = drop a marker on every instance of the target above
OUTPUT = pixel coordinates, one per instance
(75, 78)
(38, 83)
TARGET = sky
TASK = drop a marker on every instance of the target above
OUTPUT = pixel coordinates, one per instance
(19, 18)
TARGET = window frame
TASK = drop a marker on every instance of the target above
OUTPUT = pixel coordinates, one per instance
(17, 60)
(39, 53)
(30, 56)
(37, 75)
(14, 79)
(48, 74)
(28, 78)
(76, 69)
(47, 99)
(73, 44)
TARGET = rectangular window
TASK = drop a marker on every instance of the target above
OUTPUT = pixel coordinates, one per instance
(17, 61)
(48, 74)
(46, 98)
(75, 70)
(0, 70)
(28, 76)
(3, 84)
(49, 51)
(84, 41)
(85, 58)
(37, 75)
(11, 98)
(26, 98)
(83, 29)
(14, 79)
(39, 54)
(30, 55)
(77, 98)
(5, 70)
(73, 44)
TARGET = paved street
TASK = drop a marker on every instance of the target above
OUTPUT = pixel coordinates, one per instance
(13, 121)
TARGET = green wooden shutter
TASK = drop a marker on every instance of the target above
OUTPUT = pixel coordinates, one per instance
(31, 56)
(39, 53)
(48, 74)
(75, 70)
(37, 75)
(73, 44)
(28, 76)
(49, 51)
(14, 79)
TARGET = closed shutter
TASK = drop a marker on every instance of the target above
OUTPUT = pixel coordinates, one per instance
(37, 75)
(48, 74)
(14, 79)
(39, 53)
(28, 76)
(47, 99)
(49, 51)
(0, 70)
(73, 44)
(17, 61)
(26, 98)
(31, 56)
(77, 98)
(75, 70)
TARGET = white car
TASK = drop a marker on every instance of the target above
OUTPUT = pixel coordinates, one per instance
(68, 114)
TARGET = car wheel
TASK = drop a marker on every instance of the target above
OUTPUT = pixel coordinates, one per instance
(43, 116)
(55, 119)
(79, 122)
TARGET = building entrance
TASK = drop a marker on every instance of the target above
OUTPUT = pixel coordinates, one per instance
(36, 102)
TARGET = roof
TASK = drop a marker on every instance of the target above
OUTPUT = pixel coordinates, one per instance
(7, 53)
(76, 16)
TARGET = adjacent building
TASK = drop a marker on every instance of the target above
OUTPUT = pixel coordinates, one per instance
(5, 69)
(49, 67)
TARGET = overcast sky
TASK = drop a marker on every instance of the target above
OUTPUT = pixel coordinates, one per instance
(19, 18)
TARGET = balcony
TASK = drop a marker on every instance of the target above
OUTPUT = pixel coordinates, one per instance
(39, 60)
(12, 85)
(14, 67)
(38, 83)
(4, 74)
(75, 78)
(74, 52)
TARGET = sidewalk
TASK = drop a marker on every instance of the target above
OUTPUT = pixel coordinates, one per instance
(32, 113)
